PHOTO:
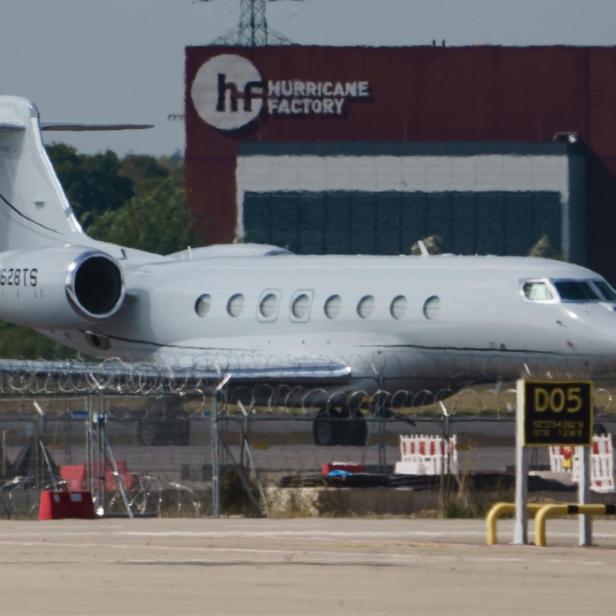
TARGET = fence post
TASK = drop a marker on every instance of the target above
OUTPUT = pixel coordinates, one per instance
(584, 520)
(215, 445)
(520, 529)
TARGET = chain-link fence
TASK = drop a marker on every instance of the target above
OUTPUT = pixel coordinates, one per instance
(152, 442)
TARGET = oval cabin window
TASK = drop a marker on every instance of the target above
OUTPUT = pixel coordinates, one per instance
(365, 307)
(332, 306)
(300, 307)
(432, 307)
(235, 305)
(203, 305)
(268, 306)
(398, 307)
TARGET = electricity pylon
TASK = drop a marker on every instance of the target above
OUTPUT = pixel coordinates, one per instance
(252, 30)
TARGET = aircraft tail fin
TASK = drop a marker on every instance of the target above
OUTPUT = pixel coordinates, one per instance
(34, 210)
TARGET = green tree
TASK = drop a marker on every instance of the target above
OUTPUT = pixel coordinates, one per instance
(157, 221)
(93, 183)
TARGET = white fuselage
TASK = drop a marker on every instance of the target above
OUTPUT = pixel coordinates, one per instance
(482, 327)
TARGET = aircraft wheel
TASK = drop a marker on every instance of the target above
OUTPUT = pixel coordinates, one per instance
(325, 429)
(147, 432)
(356, 431)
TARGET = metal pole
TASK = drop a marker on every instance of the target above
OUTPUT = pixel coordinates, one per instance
(520, 529)
(100, 454)
(584, 520)
(3, 453)
(381, 435)
(118, 477)
(214, 440)
(88, 437)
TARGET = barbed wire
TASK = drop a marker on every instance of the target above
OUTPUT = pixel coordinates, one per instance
(116, 377)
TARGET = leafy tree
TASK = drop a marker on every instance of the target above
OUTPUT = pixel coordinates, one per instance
(93, 183)
(157, 221)
(143, 171)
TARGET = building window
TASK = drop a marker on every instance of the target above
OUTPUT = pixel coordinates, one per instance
(398, 307)
(203, 305)
(432, 307)
(268, 306)
(300, 305)
(365, 307)
(235, 305)
(332, 306)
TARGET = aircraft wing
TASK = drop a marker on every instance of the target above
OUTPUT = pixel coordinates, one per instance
(19, 372)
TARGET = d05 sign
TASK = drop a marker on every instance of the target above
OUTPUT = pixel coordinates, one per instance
(557, 413)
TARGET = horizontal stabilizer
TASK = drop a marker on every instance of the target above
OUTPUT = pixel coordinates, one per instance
(81, 126)
(11, 126)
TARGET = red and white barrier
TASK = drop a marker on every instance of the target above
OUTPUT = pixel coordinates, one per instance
(564, 459)
(427, 454)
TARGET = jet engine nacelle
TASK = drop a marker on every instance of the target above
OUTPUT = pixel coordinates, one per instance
(59, 288)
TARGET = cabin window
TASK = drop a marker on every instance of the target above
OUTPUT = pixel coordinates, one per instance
(300, 306)
(332, 306)
(606, 290)
(203, 305)
(576, 291)
(537, 291)
(398, 307)
(235, 305)
(432, 307)
(268, 306)
(365, 307)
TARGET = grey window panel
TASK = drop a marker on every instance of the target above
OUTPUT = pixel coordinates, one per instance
(285, 220)
(388, 223)
(337, 222)
(311, 231)
(463, 224)
(519, 222)
(547, 220)
(346, 222)
(438, 216)
(363, 223)
(413, 219)
(490, 223)
(257, 223)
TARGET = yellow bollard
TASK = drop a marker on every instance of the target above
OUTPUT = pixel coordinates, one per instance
(549, 511)
(497, 511)
(541, 518)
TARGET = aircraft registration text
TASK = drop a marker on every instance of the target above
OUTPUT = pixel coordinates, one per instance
(18, 276)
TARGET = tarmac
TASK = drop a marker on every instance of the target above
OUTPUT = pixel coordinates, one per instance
(300, 566)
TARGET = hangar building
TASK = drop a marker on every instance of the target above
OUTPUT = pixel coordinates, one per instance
(366, 150)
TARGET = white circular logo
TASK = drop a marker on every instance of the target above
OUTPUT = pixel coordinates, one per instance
(228, 92)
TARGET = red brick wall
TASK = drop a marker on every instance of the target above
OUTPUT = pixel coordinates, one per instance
(425, 94)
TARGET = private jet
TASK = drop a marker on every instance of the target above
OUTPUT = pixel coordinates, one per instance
(258, 313)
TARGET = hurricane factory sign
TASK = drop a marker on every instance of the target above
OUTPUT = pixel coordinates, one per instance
(229, 92)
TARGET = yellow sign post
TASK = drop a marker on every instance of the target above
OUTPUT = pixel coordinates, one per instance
(552, 413)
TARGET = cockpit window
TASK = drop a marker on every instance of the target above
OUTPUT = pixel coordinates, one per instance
(537, 291)
(606, 290)
(576, 291)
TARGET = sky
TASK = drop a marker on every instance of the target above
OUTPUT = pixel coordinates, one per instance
(123, 60)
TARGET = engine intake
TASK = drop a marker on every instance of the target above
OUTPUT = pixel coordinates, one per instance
(67, 287)
(95, 286)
